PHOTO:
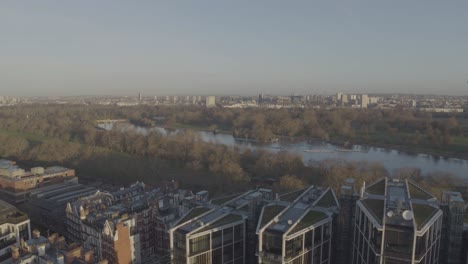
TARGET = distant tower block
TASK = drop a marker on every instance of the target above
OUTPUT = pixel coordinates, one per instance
(210, 101)
(140, 97)
(364, 100)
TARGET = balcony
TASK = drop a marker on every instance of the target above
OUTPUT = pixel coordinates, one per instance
(7, 243)
(270, 256)
(5, 233)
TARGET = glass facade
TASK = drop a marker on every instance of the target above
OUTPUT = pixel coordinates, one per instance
(311, 247)
(394, 244)
(224, 246)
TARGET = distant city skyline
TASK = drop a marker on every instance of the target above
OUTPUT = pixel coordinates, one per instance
(53, 48)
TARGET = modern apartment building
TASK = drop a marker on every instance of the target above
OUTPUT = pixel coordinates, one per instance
(343, 235)
(46, 206)
(298, 227)
(396, 222)
(453, 207)
(465, 240)
(14, 227)
(218, 232)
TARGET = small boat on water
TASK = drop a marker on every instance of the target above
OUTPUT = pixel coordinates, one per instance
(274, 147)
(246, 139)
(319, 150)
(350, 150)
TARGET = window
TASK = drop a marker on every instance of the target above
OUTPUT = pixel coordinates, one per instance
(238, 232)
(318, 235)
(216, 239)
(199, 244)
(201, 259)
(227, 236)
(217, 256)
(272, 243)
(238, 250)
(399, 240)
(227, 253)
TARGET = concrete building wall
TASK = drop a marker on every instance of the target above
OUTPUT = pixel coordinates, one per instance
(210, 101)
(122, 245)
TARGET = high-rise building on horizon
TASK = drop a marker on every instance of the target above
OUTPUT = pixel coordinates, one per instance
(397, 222)
(364, 100)
(210, 101)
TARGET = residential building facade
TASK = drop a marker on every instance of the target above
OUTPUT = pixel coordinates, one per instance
(217, 232)
(396, 222)
(15, 227)
(298, 228)
(453, 207)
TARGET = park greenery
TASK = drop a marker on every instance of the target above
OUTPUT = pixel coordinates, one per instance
(68, 135)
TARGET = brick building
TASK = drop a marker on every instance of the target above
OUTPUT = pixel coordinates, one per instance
(16, 183)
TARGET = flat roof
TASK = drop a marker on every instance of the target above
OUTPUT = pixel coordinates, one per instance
(10, 214)
(55, 169)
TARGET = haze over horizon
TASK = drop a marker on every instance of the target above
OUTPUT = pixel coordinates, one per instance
(233, 47)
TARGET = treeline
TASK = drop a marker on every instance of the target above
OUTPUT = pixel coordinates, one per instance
(433, 131)
(68, 136)
(56, 134)
(391, 126)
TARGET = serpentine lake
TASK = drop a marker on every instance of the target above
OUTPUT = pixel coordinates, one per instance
(315, 151)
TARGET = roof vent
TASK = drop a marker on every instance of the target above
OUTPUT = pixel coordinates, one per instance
(290, 222)
(390, 213)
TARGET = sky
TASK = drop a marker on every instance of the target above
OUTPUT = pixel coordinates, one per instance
(231, 47)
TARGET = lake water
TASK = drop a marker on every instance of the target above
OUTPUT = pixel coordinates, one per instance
(318, 151)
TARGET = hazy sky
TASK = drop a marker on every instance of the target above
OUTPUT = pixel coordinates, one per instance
(232, 47)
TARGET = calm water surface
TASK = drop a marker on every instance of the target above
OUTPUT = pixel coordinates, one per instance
(318, 151)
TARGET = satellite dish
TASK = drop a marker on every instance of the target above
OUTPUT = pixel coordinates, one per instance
(276, 220)
(407, 215)
(390, 213)
(290, 222)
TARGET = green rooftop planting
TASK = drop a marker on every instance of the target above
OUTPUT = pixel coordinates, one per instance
(225, 199)
(328, 200)
(269, 212)
(309, 219)
(422, 213)
(418, 193)
(194, 213)
(290, 197)
(377, 188)
(376, 207)
(230, 218)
